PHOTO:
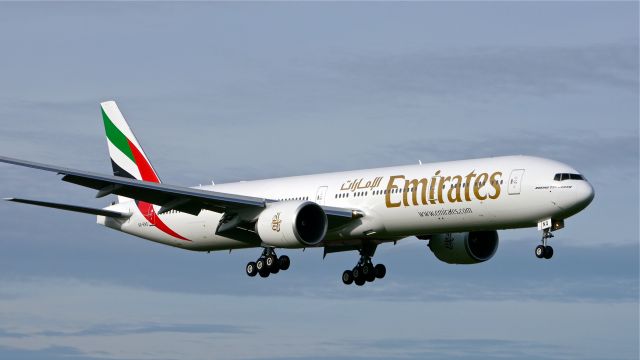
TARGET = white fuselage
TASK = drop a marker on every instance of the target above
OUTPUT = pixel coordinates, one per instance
(457, 196)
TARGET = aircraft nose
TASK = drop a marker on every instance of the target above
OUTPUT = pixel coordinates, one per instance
(586, 193)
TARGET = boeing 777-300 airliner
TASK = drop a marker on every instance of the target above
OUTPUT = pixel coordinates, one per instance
(456, 206)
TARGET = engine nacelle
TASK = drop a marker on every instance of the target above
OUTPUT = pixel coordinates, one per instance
(465, 248)
(292, 224)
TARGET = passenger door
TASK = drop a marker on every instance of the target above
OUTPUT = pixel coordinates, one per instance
(515, 181)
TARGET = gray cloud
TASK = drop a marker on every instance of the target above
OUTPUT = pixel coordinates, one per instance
(540, 71)
(604, 274)
(448, 348)
(52, 353)
(119, 329)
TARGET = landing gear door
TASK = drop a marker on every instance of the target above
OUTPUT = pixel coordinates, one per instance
(515, 181)
(321, 194)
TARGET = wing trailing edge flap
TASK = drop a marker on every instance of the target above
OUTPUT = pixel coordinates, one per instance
(74, 208)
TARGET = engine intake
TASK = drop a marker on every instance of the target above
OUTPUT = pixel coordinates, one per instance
(292, 224)
(465, 248)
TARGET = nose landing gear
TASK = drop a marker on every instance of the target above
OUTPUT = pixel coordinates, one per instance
(268, 263)
(544, 250)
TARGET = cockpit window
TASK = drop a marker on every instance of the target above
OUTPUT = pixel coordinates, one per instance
(564, 176)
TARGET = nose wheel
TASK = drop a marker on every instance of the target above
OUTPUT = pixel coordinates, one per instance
(268, 263)
(364, 272)
(545, 251)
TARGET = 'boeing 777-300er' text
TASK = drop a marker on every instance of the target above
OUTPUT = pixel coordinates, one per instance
(457, 206)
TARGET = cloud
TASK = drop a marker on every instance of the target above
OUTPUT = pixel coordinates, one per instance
(48, 353)
(540, 71)
(448, 348)
(136, 329)
(72, 314)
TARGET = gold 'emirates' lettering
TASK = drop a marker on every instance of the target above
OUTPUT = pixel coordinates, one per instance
(415, 184)
(417, 192)
(391, 186)
(480, 181)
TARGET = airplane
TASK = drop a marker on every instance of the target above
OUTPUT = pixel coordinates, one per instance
(457, 206)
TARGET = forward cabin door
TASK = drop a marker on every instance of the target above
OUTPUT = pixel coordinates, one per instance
(321, 194)
(515, 181)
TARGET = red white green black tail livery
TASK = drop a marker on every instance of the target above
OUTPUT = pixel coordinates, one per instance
(127, 157)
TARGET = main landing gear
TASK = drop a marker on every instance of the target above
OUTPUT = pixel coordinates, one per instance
(268, 263)
(363, 272)
(544, 250)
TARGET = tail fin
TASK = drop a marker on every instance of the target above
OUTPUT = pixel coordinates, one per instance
(127, 157)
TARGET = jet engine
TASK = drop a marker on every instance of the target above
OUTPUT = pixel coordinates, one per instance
(292, 224)
(464, 248)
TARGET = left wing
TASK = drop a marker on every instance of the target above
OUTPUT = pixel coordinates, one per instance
(170, 197)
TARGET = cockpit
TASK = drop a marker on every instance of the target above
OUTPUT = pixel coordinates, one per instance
(565, 176)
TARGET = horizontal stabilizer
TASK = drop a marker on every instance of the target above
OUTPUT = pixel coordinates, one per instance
(80, 209)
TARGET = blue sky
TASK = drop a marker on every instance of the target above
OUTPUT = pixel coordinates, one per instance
(227, 92)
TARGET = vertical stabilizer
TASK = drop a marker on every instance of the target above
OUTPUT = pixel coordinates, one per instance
(127, 157)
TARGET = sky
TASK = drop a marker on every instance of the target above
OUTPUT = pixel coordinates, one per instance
(239, 91)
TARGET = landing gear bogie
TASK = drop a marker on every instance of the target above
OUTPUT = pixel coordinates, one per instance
(268, 263)
(364, 271)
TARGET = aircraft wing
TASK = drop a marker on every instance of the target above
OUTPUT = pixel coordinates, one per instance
(74, 208)
(169, 197)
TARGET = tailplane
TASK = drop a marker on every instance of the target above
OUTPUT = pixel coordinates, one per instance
(127, 157)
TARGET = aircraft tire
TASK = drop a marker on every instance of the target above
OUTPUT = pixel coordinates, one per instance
(371, 277)
(357, 273)
(347, 277)
(548, 252)
(274, 269)
(539, 251)
(260, 264)
(367, 270)
(284, 262)
(270, 261)
(380, 270)
(251, 269)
